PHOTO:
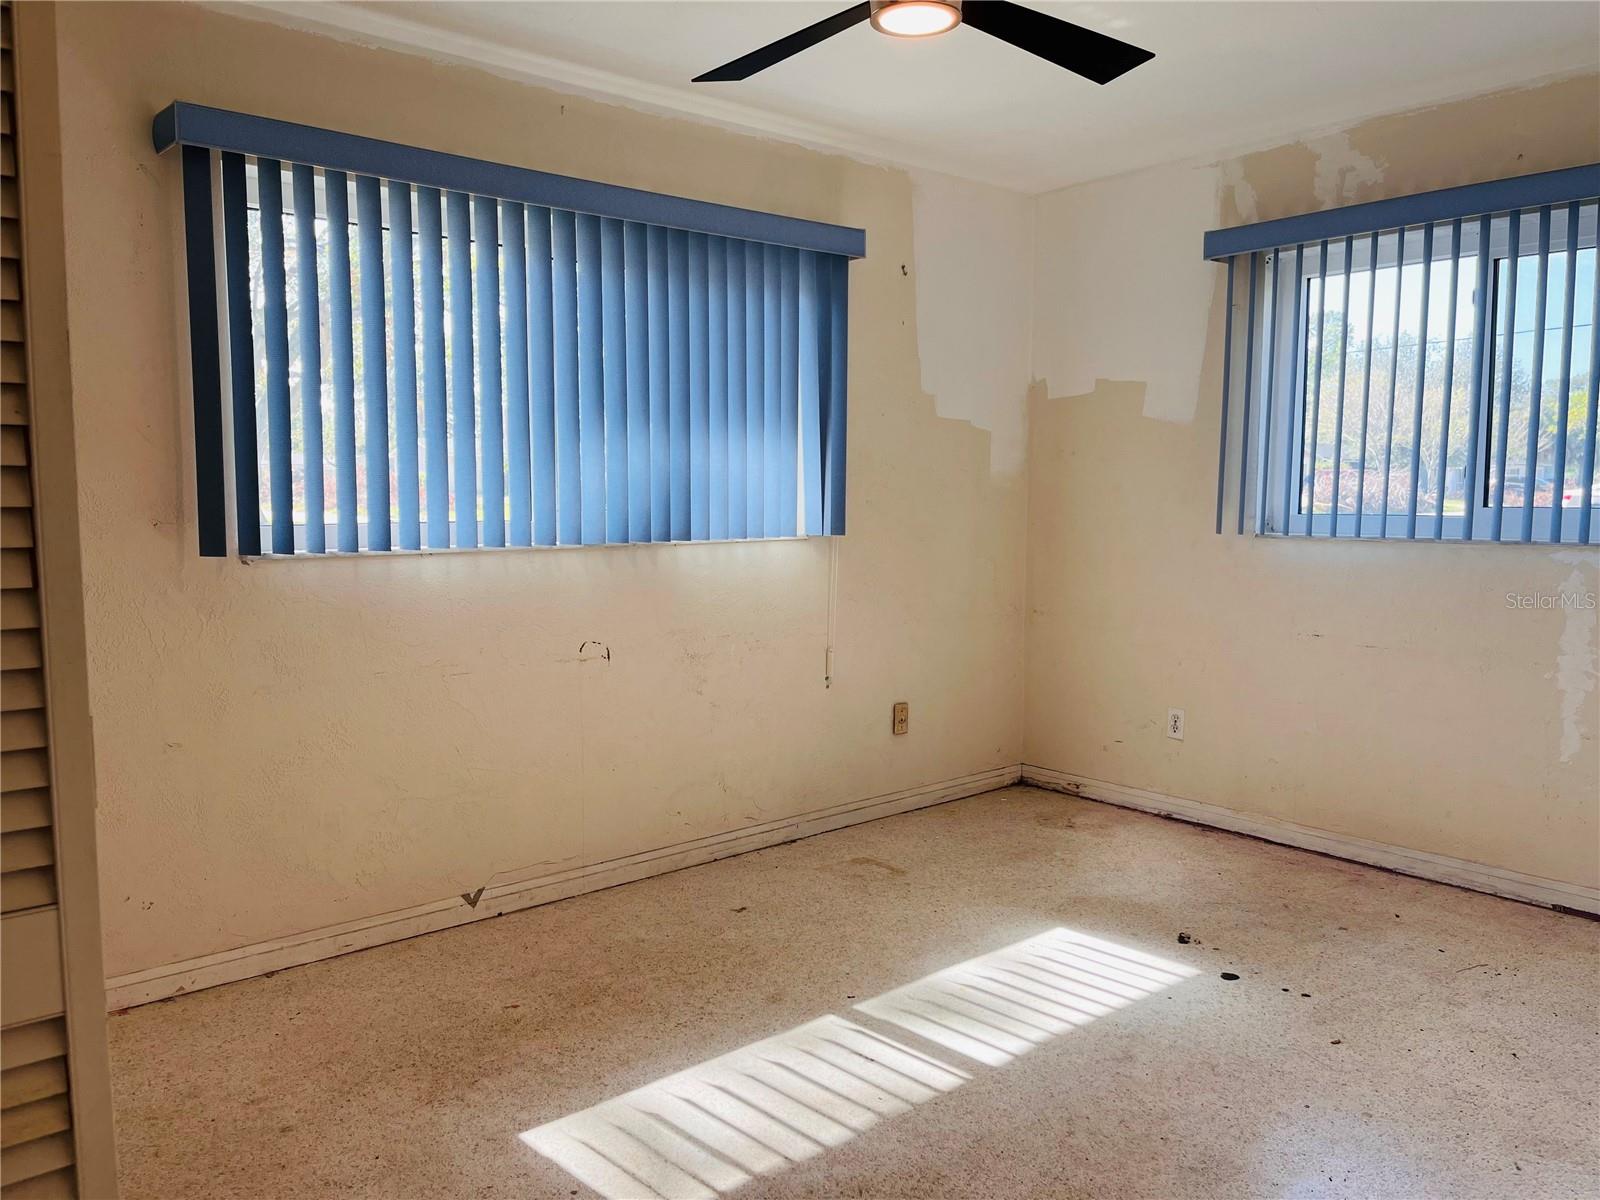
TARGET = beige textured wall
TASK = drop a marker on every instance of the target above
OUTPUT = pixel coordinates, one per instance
(283, 746)
(1382, 691)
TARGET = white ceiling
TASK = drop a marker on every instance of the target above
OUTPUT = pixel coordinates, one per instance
(1227, 76)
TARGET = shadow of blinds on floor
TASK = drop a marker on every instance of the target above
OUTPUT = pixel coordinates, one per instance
(788, 1098)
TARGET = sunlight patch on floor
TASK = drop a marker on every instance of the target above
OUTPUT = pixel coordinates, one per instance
(755, 1111)
(1001, 1005)
(788, 1098)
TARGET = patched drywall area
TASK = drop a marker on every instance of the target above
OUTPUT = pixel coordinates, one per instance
(1578, 658)
(1095, 315)
(974, 278)
(1434, 697)
(285, 746)
(1342, 171)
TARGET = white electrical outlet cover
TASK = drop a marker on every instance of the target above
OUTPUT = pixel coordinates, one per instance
(1175, 724)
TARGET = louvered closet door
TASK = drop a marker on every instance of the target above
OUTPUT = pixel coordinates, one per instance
(39, 1154)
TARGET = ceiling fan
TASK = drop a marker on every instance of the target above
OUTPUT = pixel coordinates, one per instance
(1083, 51)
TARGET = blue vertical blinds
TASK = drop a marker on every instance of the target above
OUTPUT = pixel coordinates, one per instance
(420, 368)
(1422, 368)
(407, 349)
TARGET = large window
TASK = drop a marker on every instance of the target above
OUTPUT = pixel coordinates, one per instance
(400, 350)
(1431, 380)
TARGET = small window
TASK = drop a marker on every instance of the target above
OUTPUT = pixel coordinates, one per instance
(1435, 380)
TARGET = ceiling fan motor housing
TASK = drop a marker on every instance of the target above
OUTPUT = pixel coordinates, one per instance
(1087, 52)
(915, 18)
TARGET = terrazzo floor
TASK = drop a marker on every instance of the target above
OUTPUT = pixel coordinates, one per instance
(1015, 995)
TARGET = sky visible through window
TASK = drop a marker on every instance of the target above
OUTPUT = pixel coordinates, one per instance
(1380, 367)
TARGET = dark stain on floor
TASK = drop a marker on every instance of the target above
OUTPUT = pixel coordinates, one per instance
(868, 861)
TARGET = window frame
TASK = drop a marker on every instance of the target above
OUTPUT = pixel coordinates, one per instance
(1277, 440)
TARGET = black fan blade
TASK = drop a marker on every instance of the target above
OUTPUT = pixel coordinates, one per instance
(1082, 51)
(787, 47)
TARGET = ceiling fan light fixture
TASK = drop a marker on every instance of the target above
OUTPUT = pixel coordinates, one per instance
(1096, 56)
(915, 18)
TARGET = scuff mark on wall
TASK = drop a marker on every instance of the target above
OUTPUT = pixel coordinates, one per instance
(1577, 660)
(1342, 170)
(975, 243)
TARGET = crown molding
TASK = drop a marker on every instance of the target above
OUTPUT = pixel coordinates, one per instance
(366, 26)
(351, 21)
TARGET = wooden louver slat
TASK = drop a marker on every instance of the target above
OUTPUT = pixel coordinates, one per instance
(38, 1151)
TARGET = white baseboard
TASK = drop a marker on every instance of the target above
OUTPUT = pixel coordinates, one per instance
(229, 966)
(1441, 868)
(245, 962)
